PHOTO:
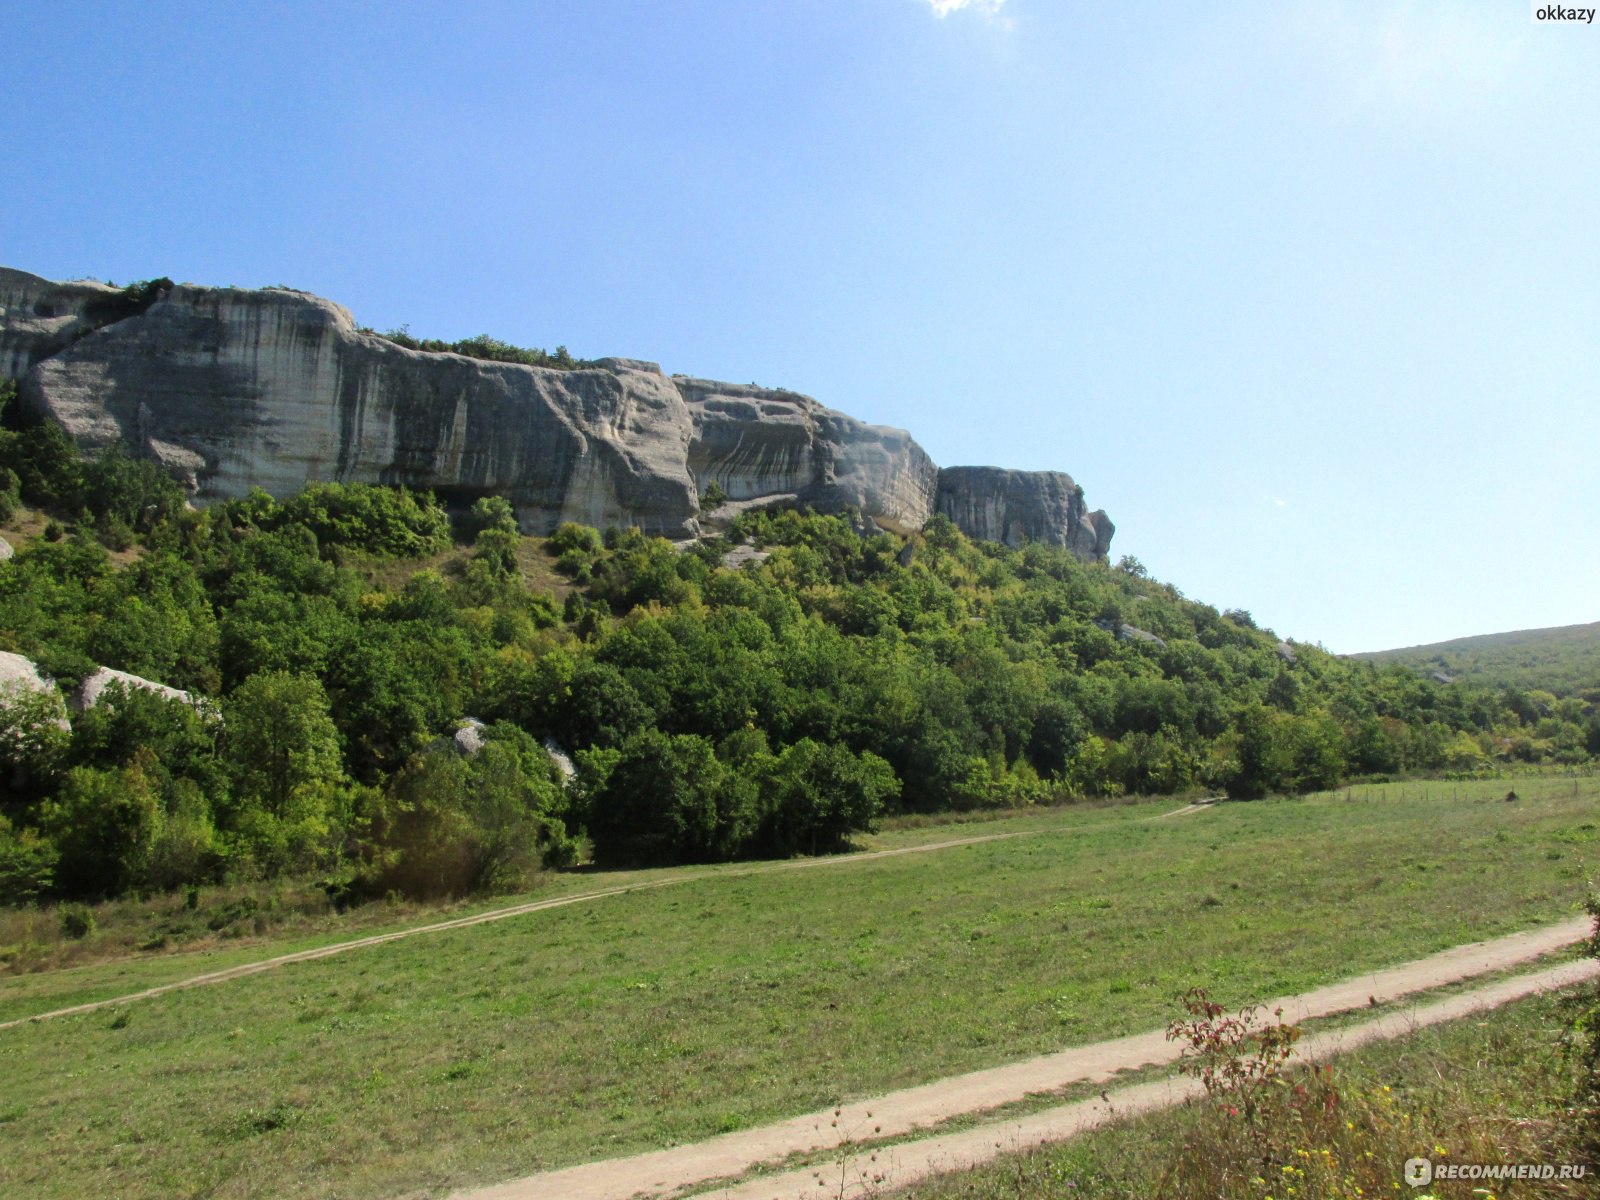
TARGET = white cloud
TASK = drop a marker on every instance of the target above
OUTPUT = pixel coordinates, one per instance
(989, 8)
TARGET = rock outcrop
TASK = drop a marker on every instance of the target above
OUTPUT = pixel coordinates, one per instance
(231, 389)
(1130, 633)
(234, 389)
(755, 442)
(469, 738)
(1023, 506)
(22, 674)
(562, 761)
(39, 319)
(87, 694)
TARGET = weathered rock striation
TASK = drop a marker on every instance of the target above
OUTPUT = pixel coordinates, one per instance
(1023, 506)
(39, 318)
(231, 389)
(755, 442)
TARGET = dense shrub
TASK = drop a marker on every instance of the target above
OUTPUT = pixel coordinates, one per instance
(489, 512)
(104, 825)
(27, 864)
(375, 520)
(570, 536)
(489, 349)
(456, 825)
(131, 494)
(33, 743)
(669, 800)
(821, 795)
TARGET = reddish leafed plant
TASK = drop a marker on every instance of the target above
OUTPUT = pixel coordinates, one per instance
(1234, 1056)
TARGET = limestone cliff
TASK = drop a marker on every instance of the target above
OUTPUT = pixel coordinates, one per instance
(1023, 506)
(39, 319)
(756, 442)
(232, 389)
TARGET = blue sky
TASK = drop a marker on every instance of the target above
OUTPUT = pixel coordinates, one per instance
(1305, 294)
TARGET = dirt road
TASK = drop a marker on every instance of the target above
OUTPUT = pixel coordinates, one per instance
(897, 1114)
(898, 1166)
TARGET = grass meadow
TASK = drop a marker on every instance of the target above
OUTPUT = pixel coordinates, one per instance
(737, 995)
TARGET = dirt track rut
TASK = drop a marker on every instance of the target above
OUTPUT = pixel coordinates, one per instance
(897, 1114)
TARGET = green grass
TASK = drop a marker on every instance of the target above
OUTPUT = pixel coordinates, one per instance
(1493, 1087)
(104, 966)
(676, 1013)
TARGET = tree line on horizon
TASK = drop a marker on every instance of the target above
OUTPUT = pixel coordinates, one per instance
(342, 636)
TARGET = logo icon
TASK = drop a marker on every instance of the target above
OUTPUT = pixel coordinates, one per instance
(1419, 1172)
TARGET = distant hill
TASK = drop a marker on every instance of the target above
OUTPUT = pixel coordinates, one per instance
(1564, 660)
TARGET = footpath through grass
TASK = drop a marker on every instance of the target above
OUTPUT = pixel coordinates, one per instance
(672, 1014)
(111, 969)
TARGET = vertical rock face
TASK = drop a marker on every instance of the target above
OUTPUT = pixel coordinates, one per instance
(1023, 506)
(39, 318)
(234, 389)
(231, 389)
(756, 442)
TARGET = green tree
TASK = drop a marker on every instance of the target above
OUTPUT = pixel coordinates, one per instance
(572, 536)
(104, 823)
(47, 463)
(280, 737)
(490, 512)
(496, 551)
(669, 800)
(458, 825)
(126, 721)
(27, 865)
(186, 848)
(33, 740)
(823, 794)
(134, 492)
(10, 491)
(1265, 755)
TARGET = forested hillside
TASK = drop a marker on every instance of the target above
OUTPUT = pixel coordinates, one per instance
(1563, 661)
(335, 641)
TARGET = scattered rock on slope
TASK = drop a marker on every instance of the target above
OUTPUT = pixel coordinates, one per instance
(87, 694)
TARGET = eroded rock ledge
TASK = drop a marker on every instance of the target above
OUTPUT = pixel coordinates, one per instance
(231, 389)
